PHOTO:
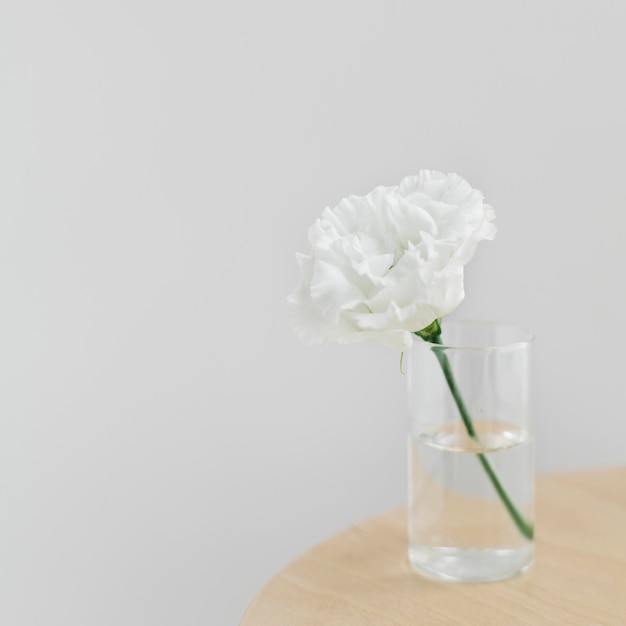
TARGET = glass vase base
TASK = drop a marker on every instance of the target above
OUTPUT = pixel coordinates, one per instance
(470, 565)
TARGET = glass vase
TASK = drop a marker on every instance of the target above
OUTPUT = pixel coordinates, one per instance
(471, 458)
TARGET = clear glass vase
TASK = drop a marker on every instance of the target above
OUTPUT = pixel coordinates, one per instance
(471, 458)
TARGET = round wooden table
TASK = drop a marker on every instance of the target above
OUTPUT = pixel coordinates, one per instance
(362, 576)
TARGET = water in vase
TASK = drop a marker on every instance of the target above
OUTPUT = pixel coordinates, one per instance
(459, 528)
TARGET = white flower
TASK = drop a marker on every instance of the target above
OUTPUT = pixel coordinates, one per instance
(390, 263)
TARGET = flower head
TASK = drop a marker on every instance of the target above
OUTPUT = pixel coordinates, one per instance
(388, 264)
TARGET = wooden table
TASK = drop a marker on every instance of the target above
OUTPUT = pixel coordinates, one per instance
(362, 576)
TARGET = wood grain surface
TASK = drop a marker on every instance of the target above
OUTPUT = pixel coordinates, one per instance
(362, 576)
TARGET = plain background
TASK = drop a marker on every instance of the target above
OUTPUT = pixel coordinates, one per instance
(166, 443)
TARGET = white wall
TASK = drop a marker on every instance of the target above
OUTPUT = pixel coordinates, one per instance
(166, 443)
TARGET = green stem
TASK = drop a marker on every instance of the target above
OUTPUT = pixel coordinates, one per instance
(524, 526)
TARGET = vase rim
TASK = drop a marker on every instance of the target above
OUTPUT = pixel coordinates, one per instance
(517, 335)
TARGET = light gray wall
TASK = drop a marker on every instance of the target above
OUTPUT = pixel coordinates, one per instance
(166, 444)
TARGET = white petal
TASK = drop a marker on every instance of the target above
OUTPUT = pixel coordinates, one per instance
(389, 263)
